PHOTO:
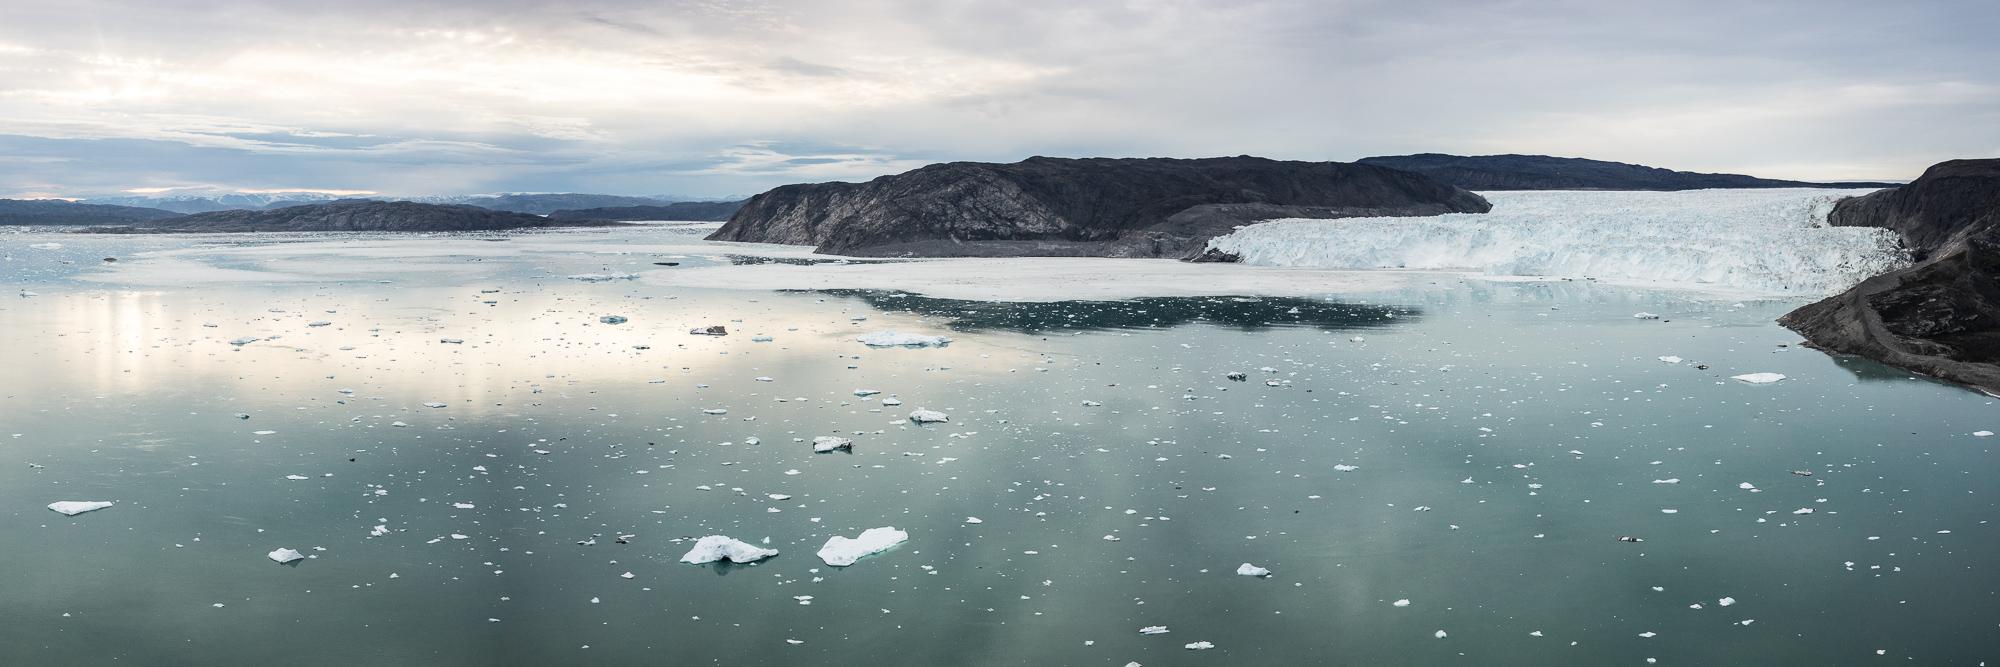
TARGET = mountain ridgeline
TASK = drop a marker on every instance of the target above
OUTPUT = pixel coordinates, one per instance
(688, 211)
(1541, 172)
(1132, 207)
(350, 215)
(1940, 316)
(60, 212)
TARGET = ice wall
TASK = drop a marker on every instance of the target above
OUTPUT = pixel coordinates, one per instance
(1767, 241)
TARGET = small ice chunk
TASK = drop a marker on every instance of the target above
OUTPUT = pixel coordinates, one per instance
(841, 551)
(246, 340)
(1440, 634)
(1199, 646)
(613, 319)
(1670, 359)
(1982, 434)
(1153, 630)
(864, 393)
(1342, 467)
(1726, 601)
(603, 277)
(899, 339)
(283, 556)
(717, 547)
(923, 416)
(974, 519)
(75, 507)
(1645, 316)
(826, 443)
(1758, 378)
(1249, 570)
(1405, 602)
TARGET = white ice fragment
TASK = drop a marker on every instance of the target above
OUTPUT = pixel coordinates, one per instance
(826, 443)
(974, 519)
(898, 339)
(1249, 570)
(717, 547)
(1726, 601)
(1153, 630)
(1199, 646)
(923, 416)
(1440, 634)
(1645, 316)
(612, 319)
(841, 551)
(1405, 602)
(75, 507)
(1670, 359)
(1982, 434)
(1759, 378)
(282, 556)
(603, 277)
(1342, 467)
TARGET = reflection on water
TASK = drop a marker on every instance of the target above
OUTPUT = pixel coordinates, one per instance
(1242, 313)
(489, 474)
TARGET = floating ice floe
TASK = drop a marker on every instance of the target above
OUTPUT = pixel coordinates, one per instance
(864, 393)
(1249, 570)
(1645, 316)
(603, 277)
(1342, 467)
(711, 330)
(246, 340)
(841, 551)
(1199, 646)
(1153, 630)
(1671, 359)
(75, 507)
(923, 416)
(285, 556)
(899, 339)
(1758, 378)
(1982, 434)
(827, 443)
(717, 547)
(612, 319)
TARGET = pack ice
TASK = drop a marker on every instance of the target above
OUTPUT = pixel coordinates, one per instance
(841, 551)
(898, 339)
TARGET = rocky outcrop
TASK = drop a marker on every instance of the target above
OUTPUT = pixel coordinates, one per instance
(1138, 207)
(696, 211)
(61, 212)
(350, 216)
(1941, 316)
(1542, 172)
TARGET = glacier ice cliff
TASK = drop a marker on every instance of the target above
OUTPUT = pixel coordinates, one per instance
(1762, 241)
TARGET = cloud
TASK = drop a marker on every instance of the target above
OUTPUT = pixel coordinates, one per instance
(731, 96)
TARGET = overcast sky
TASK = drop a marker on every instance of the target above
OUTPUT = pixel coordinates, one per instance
(719, 97)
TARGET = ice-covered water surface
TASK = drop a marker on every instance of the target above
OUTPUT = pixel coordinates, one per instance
(478, 470)
(1763, 241)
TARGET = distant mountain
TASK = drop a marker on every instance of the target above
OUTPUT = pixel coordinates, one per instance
(1541, 172)
(705, 211)
(60, 212)
(203, 203)
(350, 215)
(1140, 207)
(544, 204)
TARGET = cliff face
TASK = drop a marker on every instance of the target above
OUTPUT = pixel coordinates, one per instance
(707, 211)
(1542, 172)
(350, 216)
(60, 212)
(1941, 316)
(1141, 207)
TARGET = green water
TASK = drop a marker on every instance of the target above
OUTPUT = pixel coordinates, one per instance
(1548, 397)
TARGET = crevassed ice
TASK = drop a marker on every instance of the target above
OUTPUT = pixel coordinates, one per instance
(1774, 241)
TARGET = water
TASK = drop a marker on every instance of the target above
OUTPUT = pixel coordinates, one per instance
(1549, 397)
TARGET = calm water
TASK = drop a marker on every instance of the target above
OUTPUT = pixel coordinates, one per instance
(1503, 436)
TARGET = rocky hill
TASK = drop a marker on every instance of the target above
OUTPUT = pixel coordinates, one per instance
(350, 215)
(60, 212)
(705, 211)
(1133, 207)
(1941, 316)
(1541, 172)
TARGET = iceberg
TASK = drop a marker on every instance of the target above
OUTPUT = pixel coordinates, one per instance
(923, 416)
(717, 547)
(75, 507)
(1773, 241)
(842, 552)
(286, 556)
(1249, 570)
(826, 443)
(898, 339)
(1758, 378)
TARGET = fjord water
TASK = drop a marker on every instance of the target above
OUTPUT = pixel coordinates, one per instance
(1502, 437)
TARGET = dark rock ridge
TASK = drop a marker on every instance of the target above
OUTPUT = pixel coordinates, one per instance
(60, 212)
(1941, 316)
(699, 211)
(1541, 172)
(350, 215)
(1107, 207)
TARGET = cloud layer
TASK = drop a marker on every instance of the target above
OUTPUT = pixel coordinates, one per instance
(716, 97)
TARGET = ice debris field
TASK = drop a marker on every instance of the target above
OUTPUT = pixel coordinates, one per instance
(294, 454)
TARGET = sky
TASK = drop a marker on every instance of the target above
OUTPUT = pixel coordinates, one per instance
(712, 98)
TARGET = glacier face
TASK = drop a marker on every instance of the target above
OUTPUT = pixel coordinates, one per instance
(1763, 241)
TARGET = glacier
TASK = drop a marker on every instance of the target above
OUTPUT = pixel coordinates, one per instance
(1770, 241)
